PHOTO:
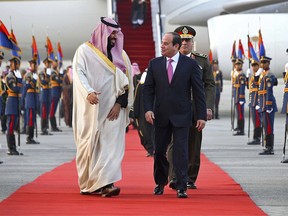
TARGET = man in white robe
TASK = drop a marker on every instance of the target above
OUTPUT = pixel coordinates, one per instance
(102, 97)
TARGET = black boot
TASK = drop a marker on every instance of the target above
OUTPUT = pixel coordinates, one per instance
(44, 127)
(240, 130)
(256, 137)
(29, 139)
(216, 113)
(54, 124)
(269, 145)
(11, 145)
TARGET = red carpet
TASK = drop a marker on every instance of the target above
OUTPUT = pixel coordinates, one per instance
(57, 192)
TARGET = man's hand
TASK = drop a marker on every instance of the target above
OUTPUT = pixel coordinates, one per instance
(149, 116)
(200, 124)
(114, 112)
(209, 114)
(93, 98)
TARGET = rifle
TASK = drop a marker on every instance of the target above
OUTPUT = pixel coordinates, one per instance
(232, 108)
(285, 140)
(249, 114)
(262, 130)
(36, 101)
(59, 110)
(19, 116)
(249, 118)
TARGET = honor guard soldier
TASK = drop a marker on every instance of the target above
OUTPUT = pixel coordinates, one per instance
(218, 78)
(56, 81)
(267, 104)
(187, 34)
(31, 100)
(14, 86)
(44, 77)
(239, 96)
(284, 109)
(285, 95)
(253, 102)
(232, 111)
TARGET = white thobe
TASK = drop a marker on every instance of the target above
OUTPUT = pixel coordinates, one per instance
(100, 143)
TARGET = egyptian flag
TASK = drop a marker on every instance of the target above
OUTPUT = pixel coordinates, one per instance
(241, 53)
(50, 51)
(261, 47)
(251, 51)
(35, 53)
(59, 53)
(7, 40)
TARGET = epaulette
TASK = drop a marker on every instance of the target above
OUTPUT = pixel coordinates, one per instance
(200, 55)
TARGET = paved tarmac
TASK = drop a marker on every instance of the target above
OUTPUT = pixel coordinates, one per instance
(264, 178)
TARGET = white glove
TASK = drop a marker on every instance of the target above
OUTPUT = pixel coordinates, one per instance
(258, 73)
(61, 71)
(257, 107)
(18, 74)
(248, 72)
(269, 111)
(35, 76)
(241, 102)
(48, 71)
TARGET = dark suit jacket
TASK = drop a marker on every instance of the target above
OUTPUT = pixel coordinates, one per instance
(172, 102)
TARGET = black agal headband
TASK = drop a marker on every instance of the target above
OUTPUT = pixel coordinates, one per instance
(109, 24)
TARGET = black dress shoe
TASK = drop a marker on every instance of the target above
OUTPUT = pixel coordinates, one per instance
(46, 133)
(32, 141)
(191, 185)
(254, 142)
(14, 152)
(159, 190)
(56, 129)
(283, 161)
(181, 194)
(239, 133)
(267, 152)
(172, 184)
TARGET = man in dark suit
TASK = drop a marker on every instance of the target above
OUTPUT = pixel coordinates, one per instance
(187, 35)
(167, 101)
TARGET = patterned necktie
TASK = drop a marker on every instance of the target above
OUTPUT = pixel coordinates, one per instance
(170, 70)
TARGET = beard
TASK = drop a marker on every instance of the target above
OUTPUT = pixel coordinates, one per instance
(111, 43)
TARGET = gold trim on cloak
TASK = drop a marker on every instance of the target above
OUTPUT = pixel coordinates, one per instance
(102, 56)
(108, 62)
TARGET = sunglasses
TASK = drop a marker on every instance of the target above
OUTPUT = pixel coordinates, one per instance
(264, 62)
